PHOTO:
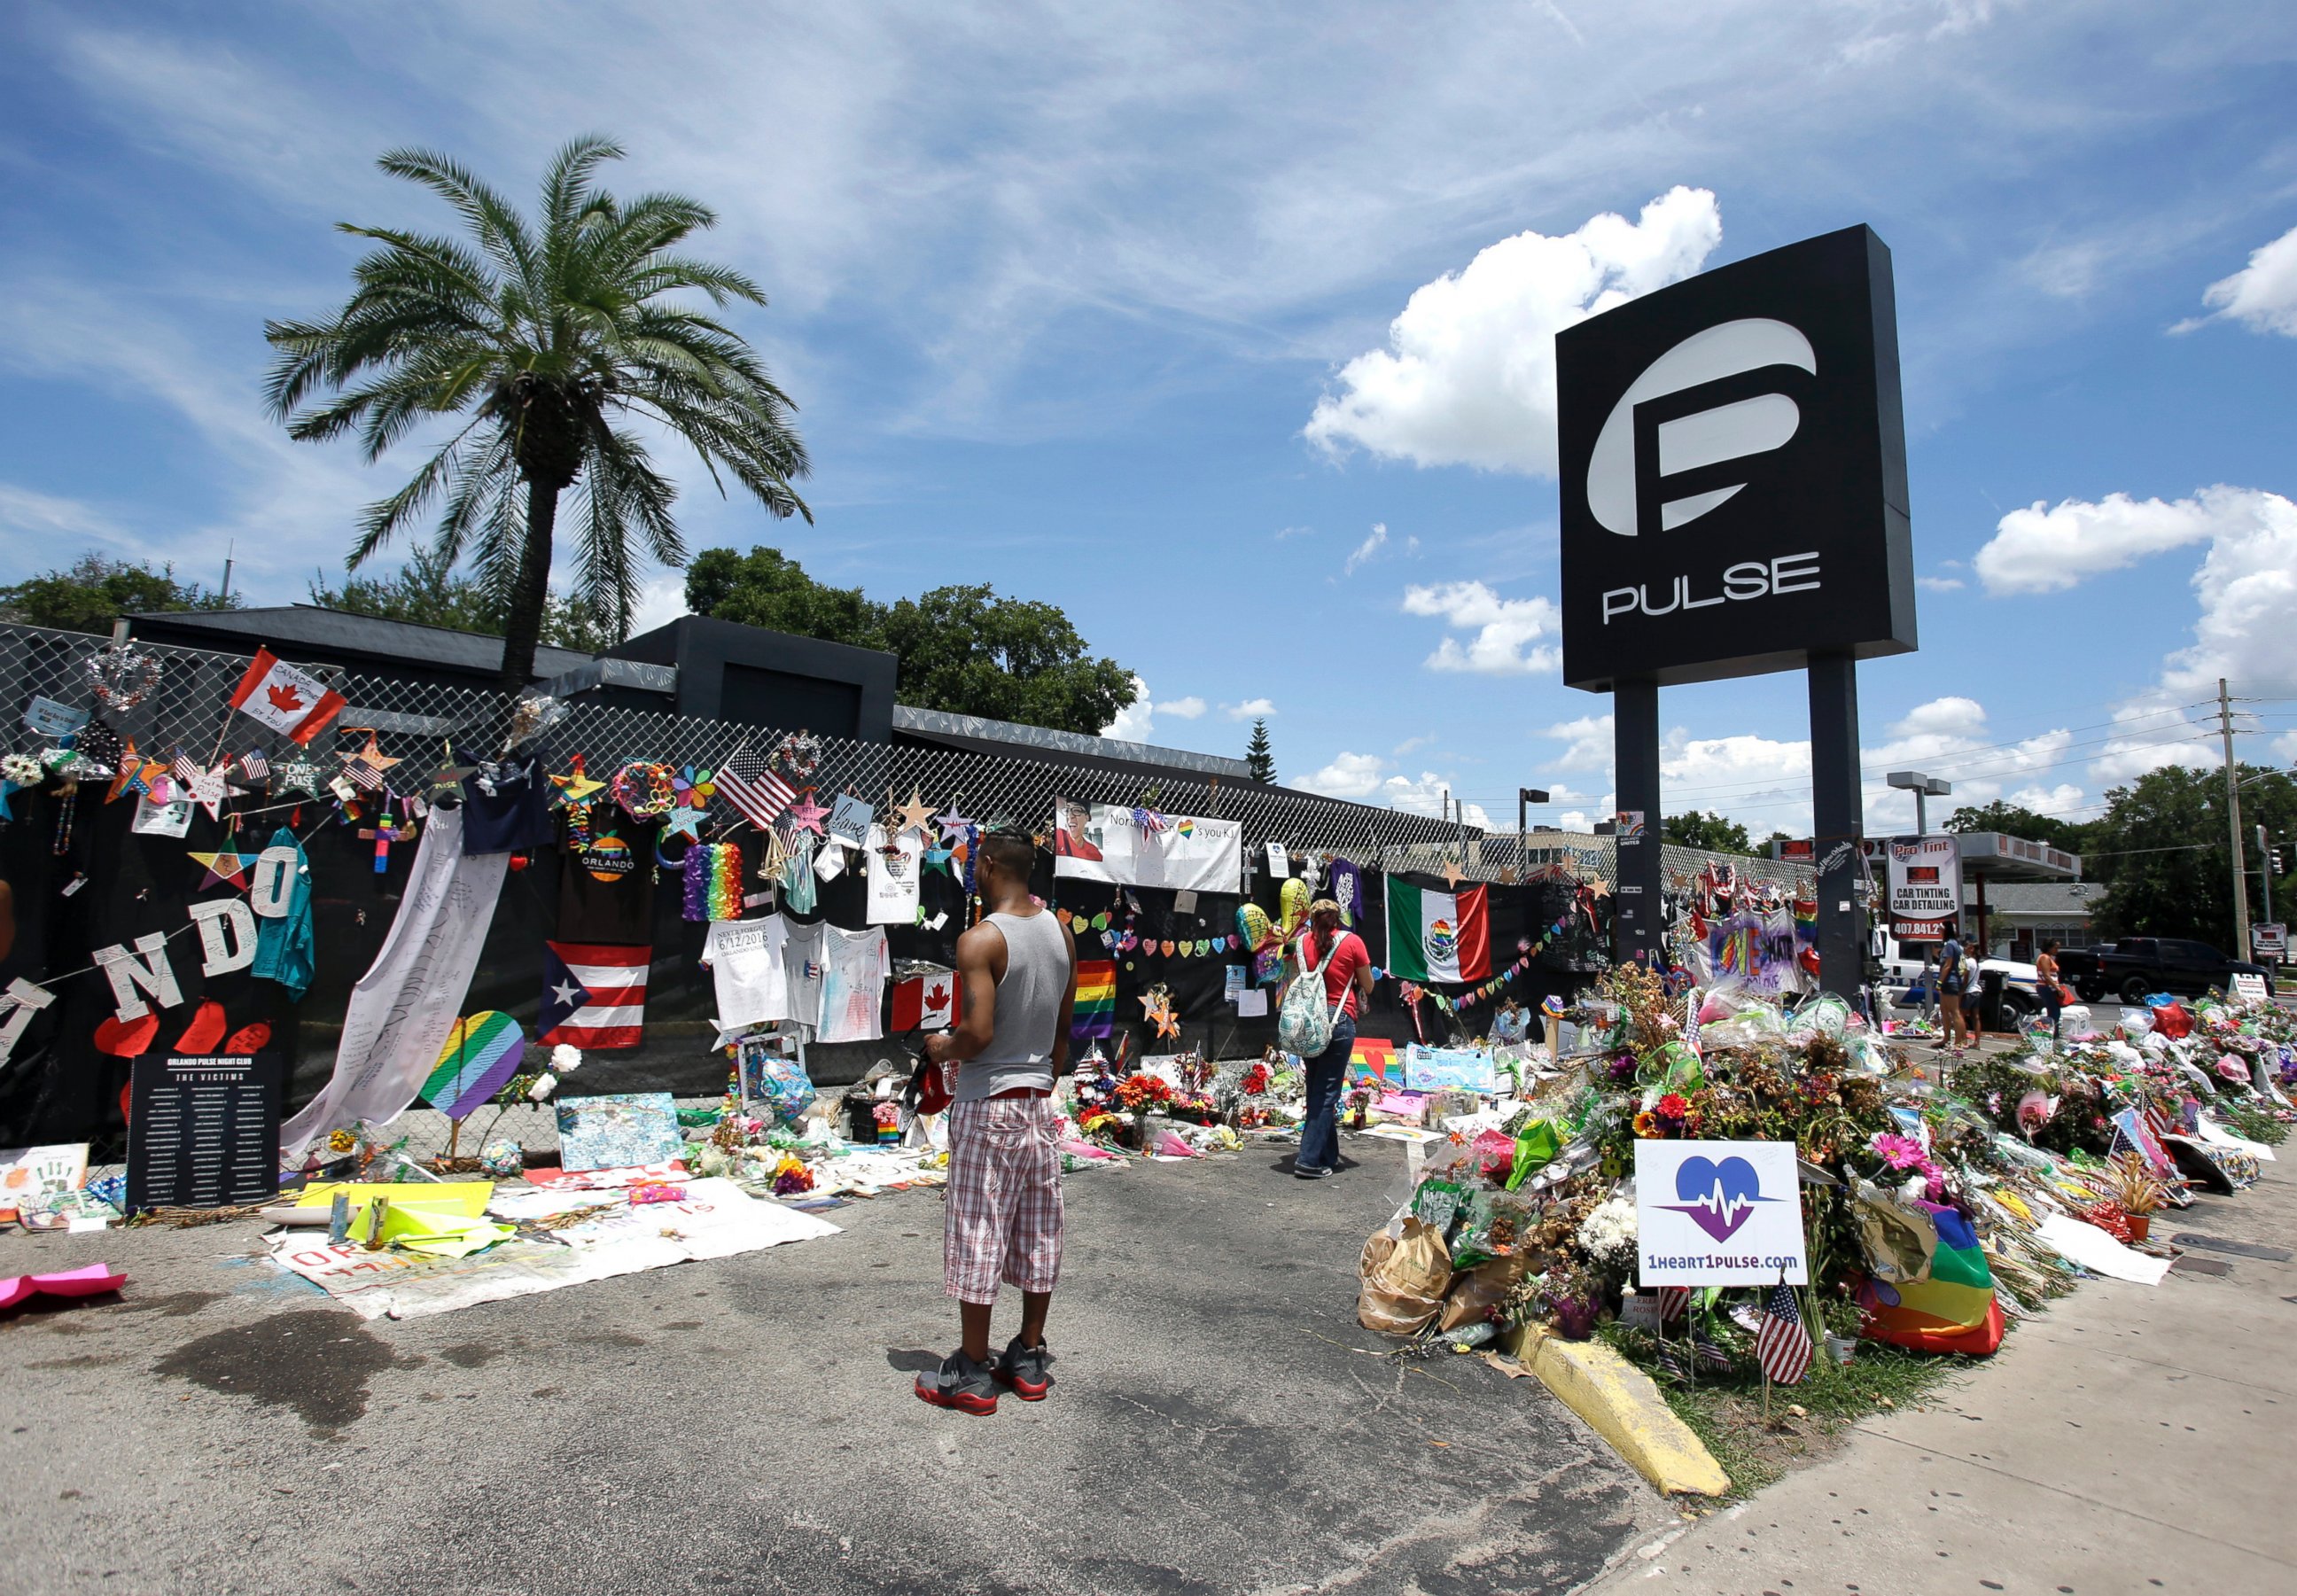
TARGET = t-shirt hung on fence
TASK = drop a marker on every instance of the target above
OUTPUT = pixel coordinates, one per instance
(1140, 847)
(744, 958)
(605, 885)
(893, 877)
(802, 969)
(852, 984)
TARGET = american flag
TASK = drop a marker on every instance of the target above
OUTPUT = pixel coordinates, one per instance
(744, 782)
(1150, 821)
(183, 769)
(1783, 1347)
(254, 766)
(362, 774)
(1674, 1302)
(1711, 1353)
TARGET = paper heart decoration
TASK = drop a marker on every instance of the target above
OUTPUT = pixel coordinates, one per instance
(126, 1039)
(247, 1039)
(200, 1037)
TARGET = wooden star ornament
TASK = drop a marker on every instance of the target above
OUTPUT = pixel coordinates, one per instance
(916, 815)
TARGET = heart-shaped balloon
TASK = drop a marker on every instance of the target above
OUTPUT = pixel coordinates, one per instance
(247, 1039)
(126, 1039)
(200, 1037)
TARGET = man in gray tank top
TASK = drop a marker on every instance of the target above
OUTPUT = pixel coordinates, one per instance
(1017, 974)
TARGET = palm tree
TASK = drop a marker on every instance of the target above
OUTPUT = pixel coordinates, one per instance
(548, 338)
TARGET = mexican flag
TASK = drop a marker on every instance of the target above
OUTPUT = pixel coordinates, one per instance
(1437, 936)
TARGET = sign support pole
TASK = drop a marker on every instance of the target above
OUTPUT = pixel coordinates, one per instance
(1634, 757)
(1838, 820)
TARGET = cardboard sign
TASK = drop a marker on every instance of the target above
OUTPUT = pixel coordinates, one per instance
(1718, 1214)
(1435, 1069)
(203, 1132)
(2250, 989)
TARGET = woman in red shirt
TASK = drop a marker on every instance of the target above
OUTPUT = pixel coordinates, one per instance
(1345, 966)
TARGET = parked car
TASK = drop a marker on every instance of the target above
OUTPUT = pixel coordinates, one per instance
(2136, 966)
(1903, 978)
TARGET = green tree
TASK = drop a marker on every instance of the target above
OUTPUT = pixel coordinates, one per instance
(422, 592)
(545, 339)
(968, 650)
(2017, 820)
(91, 592)
(1259, 758)
(1713, 832)
(2164, 851)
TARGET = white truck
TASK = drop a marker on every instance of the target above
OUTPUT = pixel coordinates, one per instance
(1903, 980)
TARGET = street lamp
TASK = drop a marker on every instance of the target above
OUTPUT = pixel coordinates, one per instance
(1922, 786)
(1525, 797)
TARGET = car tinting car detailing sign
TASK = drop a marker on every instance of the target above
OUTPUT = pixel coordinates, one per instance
(1925, 887)
(1718, 1214)
(1734, 472)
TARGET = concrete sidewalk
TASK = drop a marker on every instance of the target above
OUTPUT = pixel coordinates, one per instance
(2131, 1439)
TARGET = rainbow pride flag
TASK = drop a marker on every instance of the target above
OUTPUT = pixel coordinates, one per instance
(1095, 1014)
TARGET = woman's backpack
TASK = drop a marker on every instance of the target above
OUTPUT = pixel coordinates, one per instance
(1304, 1025)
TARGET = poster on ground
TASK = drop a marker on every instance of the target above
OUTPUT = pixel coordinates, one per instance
(1141, 847)
(1718, 1214)
(1925, 887)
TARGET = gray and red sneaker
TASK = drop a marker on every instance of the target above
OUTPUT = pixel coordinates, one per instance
(959, 1383)
(1023, 1370)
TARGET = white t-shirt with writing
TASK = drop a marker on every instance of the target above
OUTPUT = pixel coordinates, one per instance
(893, 877)
(803, 966)
(854, 988)
(745, 959)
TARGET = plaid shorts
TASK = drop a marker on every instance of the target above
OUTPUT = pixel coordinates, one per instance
(1003, 1221)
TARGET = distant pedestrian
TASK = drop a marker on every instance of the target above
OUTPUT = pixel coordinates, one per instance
(1345, 965)
(1973, 990)
(1953, 973)
(2046, 982)
(1003, 1223)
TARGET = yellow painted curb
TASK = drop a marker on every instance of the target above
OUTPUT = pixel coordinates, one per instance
(1620, 1403)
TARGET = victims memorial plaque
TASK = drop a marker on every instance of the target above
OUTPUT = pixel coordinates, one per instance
(1734, 472)
(203, 1132)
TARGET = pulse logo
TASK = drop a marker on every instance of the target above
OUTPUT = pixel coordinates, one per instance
(1718, 1197)
(1671, 446)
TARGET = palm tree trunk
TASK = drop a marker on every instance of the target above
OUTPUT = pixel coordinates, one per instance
(522, 627)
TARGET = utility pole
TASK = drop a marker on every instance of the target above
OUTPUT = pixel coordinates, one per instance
(1525, 797)
(2233, 821)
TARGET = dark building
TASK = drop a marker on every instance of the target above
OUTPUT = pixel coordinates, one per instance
(362, 645)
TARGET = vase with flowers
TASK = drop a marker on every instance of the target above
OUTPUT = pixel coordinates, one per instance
(2132, 1183)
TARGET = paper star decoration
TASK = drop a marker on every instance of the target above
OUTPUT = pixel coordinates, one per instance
(129, 774)
(1600, 887)
(576, 784)
(209, 790)
(372, 755)
(447, 780)
(806, 815)
(681, 823)
(953, 824)
(1452, 872)
(223, 869)
(944, 860)
(916, 815)
(297, 775)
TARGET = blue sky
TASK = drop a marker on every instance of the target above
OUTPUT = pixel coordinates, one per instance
(1226, 328)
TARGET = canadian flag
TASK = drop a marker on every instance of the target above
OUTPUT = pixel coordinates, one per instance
(285, 699)
(927, 1002)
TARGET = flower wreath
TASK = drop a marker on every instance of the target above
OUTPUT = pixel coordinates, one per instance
(122, 677)
(797, 756)
(644, 789)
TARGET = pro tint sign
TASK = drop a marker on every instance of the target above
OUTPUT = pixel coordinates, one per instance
(1734, 472)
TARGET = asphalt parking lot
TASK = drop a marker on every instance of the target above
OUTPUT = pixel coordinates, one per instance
(1219, 1422)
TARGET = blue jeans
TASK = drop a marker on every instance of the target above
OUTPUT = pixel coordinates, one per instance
(1320, 1132)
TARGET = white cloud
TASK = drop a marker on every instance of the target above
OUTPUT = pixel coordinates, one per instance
(1423, 740)
(1469, 375)
(1364, 550)
(2247, 628)
(1182, 708)
(1951, 717)
(2046, 549)
(1589, 740)
(661, 601)
(1251, 709)
(1939, 584)
(1286, 532)
(2262, 296)
(1136, 720)
(1363, 779)
(1504, 626)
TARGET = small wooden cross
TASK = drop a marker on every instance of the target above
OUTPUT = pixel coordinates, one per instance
(383, 832)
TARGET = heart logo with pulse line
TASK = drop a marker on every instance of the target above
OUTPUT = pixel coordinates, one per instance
(1719, 1197)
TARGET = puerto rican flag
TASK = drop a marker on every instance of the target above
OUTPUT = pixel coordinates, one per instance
(593, 996)
(288, 700)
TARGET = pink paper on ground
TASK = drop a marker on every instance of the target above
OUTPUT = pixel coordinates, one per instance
(608, 1179)
(91, 1280)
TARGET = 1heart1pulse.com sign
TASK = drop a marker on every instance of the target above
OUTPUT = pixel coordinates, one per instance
(1718, 1214)
(1734, 472)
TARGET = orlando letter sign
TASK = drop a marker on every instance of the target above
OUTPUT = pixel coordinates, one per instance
(1718, 1214)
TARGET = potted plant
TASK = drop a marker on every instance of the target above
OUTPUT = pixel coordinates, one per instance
(2132, 1182)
